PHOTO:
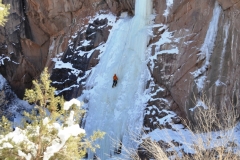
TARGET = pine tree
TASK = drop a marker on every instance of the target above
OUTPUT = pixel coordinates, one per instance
(42, 95)
(3, 13)
(5, 126)
(50, 131)
(3, 103)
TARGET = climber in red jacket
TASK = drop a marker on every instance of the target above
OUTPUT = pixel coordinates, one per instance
(115, 78)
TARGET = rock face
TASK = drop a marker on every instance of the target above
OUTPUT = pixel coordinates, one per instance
(38, 30)
(81, 58)
(121, 6)
(201, 56)
(206, 35)
(11, 106)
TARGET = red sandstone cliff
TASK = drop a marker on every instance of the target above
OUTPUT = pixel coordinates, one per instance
(190, 23)
(33, 26)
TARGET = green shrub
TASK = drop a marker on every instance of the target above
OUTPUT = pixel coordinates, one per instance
(50, 131)
(3, 13)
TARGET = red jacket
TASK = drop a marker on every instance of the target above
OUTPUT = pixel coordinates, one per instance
(115, 77)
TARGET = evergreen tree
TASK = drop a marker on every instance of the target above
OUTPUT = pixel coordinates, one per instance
(3, 13)
(3, 103)
(49, 131)
(42, 95)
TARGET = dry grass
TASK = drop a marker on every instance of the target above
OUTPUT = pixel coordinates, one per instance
(212, 138)
(219, 120)
(207, 146)
(154, 149)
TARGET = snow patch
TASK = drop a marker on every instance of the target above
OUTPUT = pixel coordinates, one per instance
(219, 83)
(73, 101)
(166, 38)
(2, 58)
(199, 103)
(124, 15)
(188, 139)
(169, 4)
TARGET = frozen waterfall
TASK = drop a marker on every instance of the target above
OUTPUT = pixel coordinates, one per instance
(119, 111)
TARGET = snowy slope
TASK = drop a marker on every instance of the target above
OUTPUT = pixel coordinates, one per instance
(14, 106)
(119, 111)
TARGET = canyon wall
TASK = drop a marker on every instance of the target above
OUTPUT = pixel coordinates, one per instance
(204, 37)
(205, 65)
(38, 30)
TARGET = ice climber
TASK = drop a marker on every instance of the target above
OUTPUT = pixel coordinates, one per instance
(115, 78)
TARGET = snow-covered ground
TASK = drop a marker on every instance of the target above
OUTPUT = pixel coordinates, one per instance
(189, 140)
(119, 111)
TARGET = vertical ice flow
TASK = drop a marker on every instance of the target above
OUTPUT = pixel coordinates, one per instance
(226, 33)
(119, 111)
(207, 48)
(169, 4)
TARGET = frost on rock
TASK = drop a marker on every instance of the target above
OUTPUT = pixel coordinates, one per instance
(199, 103)
(4, 58)
(169, 4)
(166, 38)
(207, 48)
(220, 83)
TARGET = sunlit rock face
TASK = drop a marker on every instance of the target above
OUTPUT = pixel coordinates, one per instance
(207, 59)
(34, 26)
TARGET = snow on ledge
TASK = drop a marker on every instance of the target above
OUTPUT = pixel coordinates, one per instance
(166, 38)
(200, 103)
(73, 101)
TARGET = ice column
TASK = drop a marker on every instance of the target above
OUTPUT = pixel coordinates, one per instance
(119, 111)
